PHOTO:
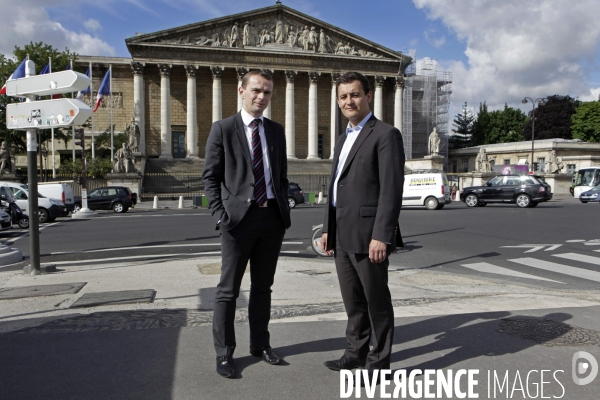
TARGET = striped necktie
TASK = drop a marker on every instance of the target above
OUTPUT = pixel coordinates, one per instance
(260, 186)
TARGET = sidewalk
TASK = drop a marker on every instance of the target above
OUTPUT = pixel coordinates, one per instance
(163, 349)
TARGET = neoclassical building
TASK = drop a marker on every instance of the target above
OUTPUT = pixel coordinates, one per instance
(178, 81)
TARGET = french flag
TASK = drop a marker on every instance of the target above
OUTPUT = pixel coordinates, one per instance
(87, 90)
(19, 73)
(104, 89)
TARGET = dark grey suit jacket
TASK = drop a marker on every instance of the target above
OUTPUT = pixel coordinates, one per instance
(369, 193)
(228, 177)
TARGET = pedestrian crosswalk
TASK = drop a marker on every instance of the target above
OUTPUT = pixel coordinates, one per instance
(537, 264)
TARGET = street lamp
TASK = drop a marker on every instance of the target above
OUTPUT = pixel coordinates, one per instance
(524, 101)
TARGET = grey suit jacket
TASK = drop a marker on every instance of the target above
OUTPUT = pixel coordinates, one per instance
(369, 192)
(228, 177)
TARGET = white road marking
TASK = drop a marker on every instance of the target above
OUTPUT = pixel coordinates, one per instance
(493, 269)
(559, 268)
(536, 247)
(576, 241)
(580, 257)
(146, 247)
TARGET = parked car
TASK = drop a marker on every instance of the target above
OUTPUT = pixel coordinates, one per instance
(295, 195)
(116, 198)
(524, 190)
(48, 209)
(58, 190)
(590, 195)
(5, 220)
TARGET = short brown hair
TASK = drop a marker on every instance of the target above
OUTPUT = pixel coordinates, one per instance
(260, 72)
(351, 77)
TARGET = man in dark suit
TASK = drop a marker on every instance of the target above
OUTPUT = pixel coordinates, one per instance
(361, 224)
(245, 181)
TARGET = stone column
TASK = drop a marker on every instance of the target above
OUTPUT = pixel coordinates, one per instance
(192, 115)
(313, 125)
(399, 95)
(139, 104)
(378, 107)
(267, 112)
(334, 110)
(240, 75)
(217, 107)
(165, 110)
(290, 114)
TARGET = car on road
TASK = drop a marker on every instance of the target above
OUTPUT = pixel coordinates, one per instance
(590, 195)
(5, 220)
(116, 198)
(295, 195)
(48, 209)
(523, 190)
(428, 188)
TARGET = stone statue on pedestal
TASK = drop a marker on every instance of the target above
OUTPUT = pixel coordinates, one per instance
(7, 158)
(434, 142)
(554, 164)
(124, 161)
(482, 162)
(133, 132)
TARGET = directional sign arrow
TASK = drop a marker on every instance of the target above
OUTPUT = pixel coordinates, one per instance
(47, 114)
(536, 247)
(48, 84)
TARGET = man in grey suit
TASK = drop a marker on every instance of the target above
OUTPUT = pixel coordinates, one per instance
(361, 224)
(245, 181)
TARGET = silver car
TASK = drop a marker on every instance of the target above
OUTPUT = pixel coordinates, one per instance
(5, 220)
(591, 195)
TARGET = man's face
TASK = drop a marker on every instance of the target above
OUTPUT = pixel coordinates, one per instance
(257, 95)
(353, 101)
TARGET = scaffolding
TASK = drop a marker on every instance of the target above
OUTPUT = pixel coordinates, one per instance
(426, 104)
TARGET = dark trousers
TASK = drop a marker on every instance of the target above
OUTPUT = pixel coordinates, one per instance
(257, 238)
(368, 304)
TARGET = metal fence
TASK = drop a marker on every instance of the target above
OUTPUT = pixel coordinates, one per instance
(310, 182)
(172, 185)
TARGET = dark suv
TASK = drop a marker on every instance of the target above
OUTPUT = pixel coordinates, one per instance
(295, 195)
(524, 190)
(116, 198)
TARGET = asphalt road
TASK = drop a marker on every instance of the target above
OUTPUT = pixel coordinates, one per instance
(486, 241)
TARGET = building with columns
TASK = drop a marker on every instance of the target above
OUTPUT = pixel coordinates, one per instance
(178, 81)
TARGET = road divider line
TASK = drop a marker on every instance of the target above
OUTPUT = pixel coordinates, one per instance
(559, 268)
(579, 257)
(494, 269)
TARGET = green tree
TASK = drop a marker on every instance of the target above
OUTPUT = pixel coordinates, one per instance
(498, 126)
(552, 118)
(102, 142)
(463, 129)
(585, 123)
(99, 167)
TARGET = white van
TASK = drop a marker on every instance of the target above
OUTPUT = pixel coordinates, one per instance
(428, 189)
(58, 190)
(49, 209)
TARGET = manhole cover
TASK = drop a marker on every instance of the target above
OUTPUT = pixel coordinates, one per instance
(549, 332)
(313, 272)
(41, 290)
(112, 298)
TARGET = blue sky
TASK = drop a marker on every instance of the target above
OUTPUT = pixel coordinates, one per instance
(498, 51)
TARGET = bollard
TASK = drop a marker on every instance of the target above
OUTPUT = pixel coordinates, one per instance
(155, 202)
(180, 201)
(320, 201)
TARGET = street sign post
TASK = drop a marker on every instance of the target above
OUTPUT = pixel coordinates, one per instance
(46, 114)
(32, 115)
(48, 84)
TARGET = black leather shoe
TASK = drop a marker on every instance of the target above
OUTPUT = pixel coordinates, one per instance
(344, 363)
(266, 353)
(225, 366)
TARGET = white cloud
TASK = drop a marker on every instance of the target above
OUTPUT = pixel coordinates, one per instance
(92, 25)
(28, 21)
(516, 48)
(436, 42)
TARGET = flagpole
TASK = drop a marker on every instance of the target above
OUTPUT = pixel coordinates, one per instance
(112, 133)
(91, 96)
(52, 130)
(73, 127)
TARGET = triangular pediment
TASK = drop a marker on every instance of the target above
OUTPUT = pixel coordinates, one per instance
(277, 29)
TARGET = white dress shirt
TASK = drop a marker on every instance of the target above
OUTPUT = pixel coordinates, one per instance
(351, 135)
(247, 119)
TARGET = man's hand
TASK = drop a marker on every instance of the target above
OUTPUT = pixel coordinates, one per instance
(377, 251)
(324, 245)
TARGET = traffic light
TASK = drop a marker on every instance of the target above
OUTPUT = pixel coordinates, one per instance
(79, 140)
(78, 180)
